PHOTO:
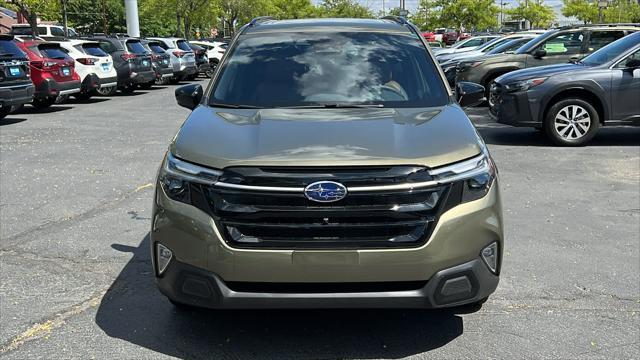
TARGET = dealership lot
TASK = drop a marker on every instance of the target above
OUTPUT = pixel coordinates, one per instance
(76, 185)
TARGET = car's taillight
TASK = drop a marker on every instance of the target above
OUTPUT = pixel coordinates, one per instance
(44, 65)
(127, 57)
(179, 53)
(87, 61)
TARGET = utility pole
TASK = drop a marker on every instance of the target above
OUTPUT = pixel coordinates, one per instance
(602, 4)
(64, 18)
(105, 28)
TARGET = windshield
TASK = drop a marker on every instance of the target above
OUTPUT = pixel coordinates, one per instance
(612, 51)
(52, 52)
(183, 45)
(491, 44)
(509, 46)
(156, 48)
(534, 42)
(315, 68)
(136, 47)
(93, 49)
(9, 49)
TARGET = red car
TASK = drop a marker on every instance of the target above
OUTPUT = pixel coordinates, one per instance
(430, 36)
(451, 36)
(52, 72)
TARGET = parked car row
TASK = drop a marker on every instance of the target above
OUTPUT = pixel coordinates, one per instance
(42, 73)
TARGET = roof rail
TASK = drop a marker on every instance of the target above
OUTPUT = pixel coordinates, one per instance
(399, 19)
(598, 25)
(257, 20)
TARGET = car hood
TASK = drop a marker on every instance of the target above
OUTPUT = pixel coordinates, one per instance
(459, 55)
(540, 71)
(326, 137)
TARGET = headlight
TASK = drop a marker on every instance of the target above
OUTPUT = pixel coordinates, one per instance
(524, 85)
(477, 175)
(466, 65)
(176, 176)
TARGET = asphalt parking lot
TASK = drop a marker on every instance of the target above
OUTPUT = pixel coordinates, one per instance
(76, 185)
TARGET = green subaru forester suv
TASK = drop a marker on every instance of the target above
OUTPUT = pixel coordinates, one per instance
(327, 165)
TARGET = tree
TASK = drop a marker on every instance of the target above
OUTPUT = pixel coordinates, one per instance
(92, 16)
(343, 8)
(469, 14)
(428, 15)
(32, 9)
(291, 9)
(622, 11)
(536, 12)
(584, 10)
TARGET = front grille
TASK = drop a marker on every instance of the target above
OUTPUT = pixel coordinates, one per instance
(288, 220)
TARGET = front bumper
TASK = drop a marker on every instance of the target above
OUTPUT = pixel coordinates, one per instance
(16, 95)
(465, 283)
(50, 87)
(511, 108)
(200, 254)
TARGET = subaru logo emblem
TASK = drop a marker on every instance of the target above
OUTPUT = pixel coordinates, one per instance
(325, 191)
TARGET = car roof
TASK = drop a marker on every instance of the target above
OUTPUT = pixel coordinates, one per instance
(331, 24)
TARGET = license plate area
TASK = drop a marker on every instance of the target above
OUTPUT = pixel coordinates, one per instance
(14, 71)
(65, 71)
(105, 67)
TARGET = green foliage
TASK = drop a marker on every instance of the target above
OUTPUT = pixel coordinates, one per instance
(582, 10)
(96, 16)
(622, 11)
(536, 12)
(292, 9)
(467, 14)
(343, 9)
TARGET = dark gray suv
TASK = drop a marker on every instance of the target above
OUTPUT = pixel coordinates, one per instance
(571, 101)
(327, 165)
(553, 47)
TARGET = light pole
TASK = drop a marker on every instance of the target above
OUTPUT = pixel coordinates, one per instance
(64, 18)
(602, 4)
(131, 13)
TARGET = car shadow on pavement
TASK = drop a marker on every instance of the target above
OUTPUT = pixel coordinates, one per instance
(11, 120)
(614, 136)
(47, 110)
(134, 310)
(92, 100)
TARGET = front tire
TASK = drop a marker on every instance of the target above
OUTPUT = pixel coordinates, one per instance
(4, 111)
(571, 122)
(43, 103)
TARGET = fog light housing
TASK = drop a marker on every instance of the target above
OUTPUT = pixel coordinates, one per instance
(490, 256)
(163, 257)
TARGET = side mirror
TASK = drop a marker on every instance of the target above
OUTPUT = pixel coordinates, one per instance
(469, 94)
(539, 53)
(189, 96)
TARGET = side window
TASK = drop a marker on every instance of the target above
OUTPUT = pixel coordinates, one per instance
(474, 42)
(603, 38)
(631, 61)
(57, 31)
(42, 30)
(567, 43)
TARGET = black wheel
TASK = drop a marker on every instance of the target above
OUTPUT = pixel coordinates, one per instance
(84, 96)
(487, 88)
(209, 73)
(43, 103)
(4, 111)
(129, 89)
(107, 91)
(17, 109)
(192, 77)
(571, 122)
(174, 80)
(148, 85)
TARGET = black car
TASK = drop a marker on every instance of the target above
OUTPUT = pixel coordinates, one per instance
(202, 61)
(16, 87)
(131, 60)
(569, 102)
(160, 59)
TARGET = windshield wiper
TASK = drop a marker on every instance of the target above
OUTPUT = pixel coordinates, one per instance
(333, 106)
(234, 106)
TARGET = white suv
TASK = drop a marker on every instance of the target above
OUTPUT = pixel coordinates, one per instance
(215, 50)
(93, 65)
(45, 31)
(183, 59)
